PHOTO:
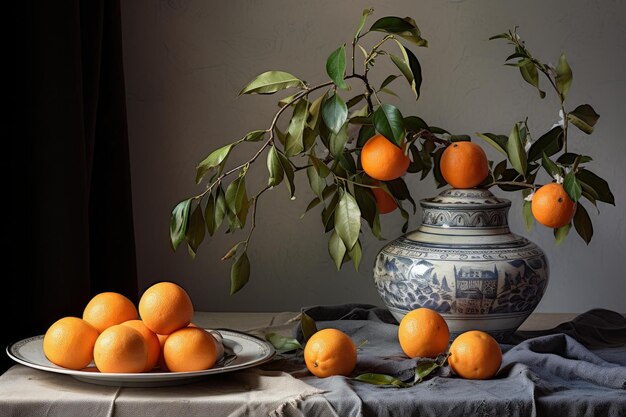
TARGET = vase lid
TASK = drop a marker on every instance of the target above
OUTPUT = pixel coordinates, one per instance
(466, 198)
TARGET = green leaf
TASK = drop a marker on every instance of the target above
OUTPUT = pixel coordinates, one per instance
(388, 121)
(598, 184)
(568, 159)
(498, 142)
(391, 24)
(215, 159)
(550, 167)
(346, 161)
(563, 76)
(527, 212)
(367, 204)
(328, 214)
(515, 151)
(317, 183)
(415, 124)
(232, 251)
(388, 91)
(439, 179)
(572, 186)
(308, 326)
(195, 230)
(561, 233)
(178, 223)
(381, 379)
(388, 80)
(529, 73)
(410, 67)
(294, 141)
(355, 100)
(499, 169)
(501, 36)
(221, 208)
(336, 67)
(337, 249)
(423, 369)
(334, 113)
(355, 254)
(254, 136)
(209, 214)
(582, 223)
(338, 141)
(320, 167)
(239, 273)
(366, 13)
(416, 164)
(584, 117)
(348, 219)
(549, 143)
(406, 28)
(365, 133)
(272, 81)
(283, 344)
(400, 191)
(237, 202)
(276, 172)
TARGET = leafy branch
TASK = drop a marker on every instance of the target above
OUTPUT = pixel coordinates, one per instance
(318, 132)
(550, 150)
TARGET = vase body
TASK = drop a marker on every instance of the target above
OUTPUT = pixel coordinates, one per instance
(464, 262)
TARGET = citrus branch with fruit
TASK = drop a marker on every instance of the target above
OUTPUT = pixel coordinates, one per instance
(358, 176)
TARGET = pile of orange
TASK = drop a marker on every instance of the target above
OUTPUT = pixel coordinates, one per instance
(111, 334)
(473, 355)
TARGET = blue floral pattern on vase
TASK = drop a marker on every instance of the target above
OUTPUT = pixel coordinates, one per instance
(464, 263)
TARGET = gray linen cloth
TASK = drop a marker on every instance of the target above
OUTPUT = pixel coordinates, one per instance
(575, 369)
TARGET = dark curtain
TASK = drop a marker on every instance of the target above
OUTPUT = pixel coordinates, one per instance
(70, 216)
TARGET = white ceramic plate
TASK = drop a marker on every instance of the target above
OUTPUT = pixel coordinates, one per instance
(248, 351)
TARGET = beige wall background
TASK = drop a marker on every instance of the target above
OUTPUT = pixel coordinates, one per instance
(185, 62)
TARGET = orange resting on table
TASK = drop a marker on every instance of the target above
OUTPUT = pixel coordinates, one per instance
(423, 333)
(152, 342)
(69, 343)
(120, 349)
(109, 308)
(475, 355)
(165, 307)
(330, 352)
(189, 349)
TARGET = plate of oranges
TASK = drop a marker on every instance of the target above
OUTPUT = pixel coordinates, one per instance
(114, 343)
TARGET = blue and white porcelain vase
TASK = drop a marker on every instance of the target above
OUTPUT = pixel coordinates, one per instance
(464, 262)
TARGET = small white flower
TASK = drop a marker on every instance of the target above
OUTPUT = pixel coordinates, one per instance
(527, 146)
(561, 122)
(558, 178)
(529, 197)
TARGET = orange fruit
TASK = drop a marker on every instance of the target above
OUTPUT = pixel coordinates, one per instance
(189, 349)
(69, 343)
(107, 309)
(382, 160)
(152, 342)
(120, 349)
(330, 352)
(165, 307)
(475, 355)
(464, 164)
(384, 202)
(552, 207)
(162, 338)
(423, 333)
